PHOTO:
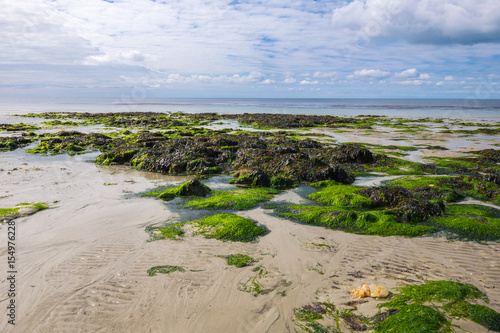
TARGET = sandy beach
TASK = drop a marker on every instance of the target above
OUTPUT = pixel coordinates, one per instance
(82, 263)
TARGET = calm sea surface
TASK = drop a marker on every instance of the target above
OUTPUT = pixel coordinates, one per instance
(437, 108)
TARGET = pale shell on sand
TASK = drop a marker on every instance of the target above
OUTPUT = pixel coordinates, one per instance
(371, 290)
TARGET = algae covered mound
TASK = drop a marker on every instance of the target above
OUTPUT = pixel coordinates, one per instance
(166, 269)
(228, 227)
(239, 260)
(341, 195)
(370, 222)
(173, 232)
(22, 209)
(14, 142)
(72, 142)
(471, 222)
(239, 199)
(191, 187)
(424, 306)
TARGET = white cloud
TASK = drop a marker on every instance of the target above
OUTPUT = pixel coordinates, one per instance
(268, 81)
(371, 73)
(448, 78)
(308, 82)
(426, 21)
(236, 78)
(412, 73)
(440, 83)
(290, 80)
(324, 75)
(408, 73)
(412, 82)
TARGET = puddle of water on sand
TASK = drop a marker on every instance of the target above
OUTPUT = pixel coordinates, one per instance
(369, 181)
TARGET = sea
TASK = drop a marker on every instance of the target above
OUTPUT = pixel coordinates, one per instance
(467, 109)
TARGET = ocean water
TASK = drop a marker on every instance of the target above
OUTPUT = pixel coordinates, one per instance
(415, 108)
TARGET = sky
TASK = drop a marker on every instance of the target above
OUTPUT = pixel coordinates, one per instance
(275, 48)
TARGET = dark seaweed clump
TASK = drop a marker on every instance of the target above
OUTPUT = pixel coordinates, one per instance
(269, 120)
(262, 159)
(73, 142)
(14, 142)
(18, 127)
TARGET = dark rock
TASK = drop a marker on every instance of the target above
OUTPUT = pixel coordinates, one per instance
(410, 209)
(254, 178)
(351, 154)
(194, 187)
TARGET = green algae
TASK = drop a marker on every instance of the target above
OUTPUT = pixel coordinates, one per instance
(393, 166)
(61, 123)
(189, 188)
(341, 195)
(312, 318)
(253, 286)
(471, 222)
(424, 306)
(116, 157)
(415, 318)
(228, 227)
(282, 182)
(173, 232)
(18, 127)
(239, 260)
(372, 222)
(17, 211)
(44, 148)
(166, 269)
(239, 199)
(445, 184)
(454, 187)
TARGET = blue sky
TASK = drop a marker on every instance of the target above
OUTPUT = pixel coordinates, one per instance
(275, 48)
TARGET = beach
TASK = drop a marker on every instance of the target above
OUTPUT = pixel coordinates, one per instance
(82, 263)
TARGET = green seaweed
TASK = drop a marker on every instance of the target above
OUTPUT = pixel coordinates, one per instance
(166, 269)
(188, 188)
(362, 222)
(228, 227)
(448, 297)
(239, 260)
(239, 199)
(253, 286)
(415, 318)
(15, 211)
(341, 195)
(471, 222)
(116, 157)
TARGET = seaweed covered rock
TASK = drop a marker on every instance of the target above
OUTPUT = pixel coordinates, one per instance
(193, 187)
(404, 203)
(351, 153)
(253, 178)
(14, 142)
(73, 141)
(265, 156)
(385, 196)
(18, 127)
(410, 209)
(269, 120)
(490, 153)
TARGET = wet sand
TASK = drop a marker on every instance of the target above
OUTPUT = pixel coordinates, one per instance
(82, 263)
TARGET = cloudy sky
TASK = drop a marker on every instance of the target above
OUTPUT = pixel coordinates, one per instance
(273, 48)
